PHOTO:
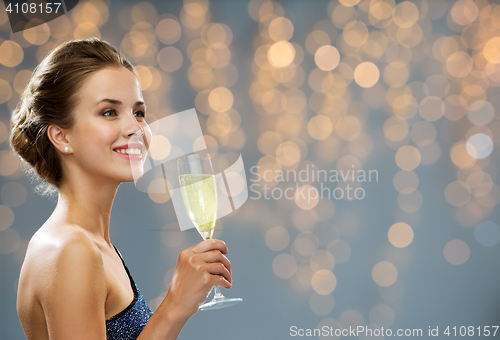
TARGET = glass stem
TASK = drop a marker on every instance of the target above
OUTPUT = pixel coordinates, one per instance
(217, 293)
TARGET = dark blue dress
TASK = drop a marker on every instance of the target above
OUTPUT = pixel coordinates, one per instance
(128, 324)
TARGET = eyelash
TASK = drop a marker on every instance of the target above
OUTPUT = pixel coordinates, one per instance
(142, 114)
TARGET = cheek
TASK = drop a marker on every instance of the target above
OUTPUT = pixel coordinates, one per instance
(97, 136)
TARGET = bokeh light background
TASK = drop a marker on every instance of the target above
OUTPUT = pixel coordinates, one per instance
(408, 88)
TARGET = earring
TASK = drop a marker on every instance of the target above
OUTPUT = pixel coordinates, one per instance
(66, 149)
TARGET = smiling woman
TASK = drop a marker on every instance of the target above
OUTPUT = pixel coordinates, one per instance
(81, 127)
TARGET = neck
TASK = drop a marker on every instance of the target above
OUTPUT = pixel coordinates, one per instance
(88, 204)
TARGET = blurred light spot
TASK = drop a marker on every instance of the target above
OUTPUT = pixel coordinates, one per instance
(349, 3)
(306, 197)
(321, 304)
(168, 31)
(487, 233)
(193, 15)
(280, 28)
(436, 85)
(235, 182)
(408, 157)
(405, 14)
(456, 252)
(423, 133)
(355, 33)
(351, 318)
(158, 191)
(289, 153)
(382, 315)
(160, 147)
(327, 57)
(457, 193)
(9, 241)
(405, 182)
(9, 163)
(317, 39)
(277, 238)
(381, 10)
(268, 142)
(319, 127)
(366, 74)
(400, 235)
(384, 273)
(396, 74)
(431, 108)
(13, 194)
(7, 217)
(480, 183)
(86, 30)
(281, 54)
(480, 112)
(340, 250)
(464, 12)
(11, 53)
(220, 99)
(296, 101)
(491, 50)
(342, 15)
(322, 259)
(479, 146)
(444, 47)
(5, 91)
(455, 107)
(459, 64)
(170, 59)
(348, 128)
(396, 129)
(37, 35)
(21, 80)
(323, 282)
(284, 266)
(460, 156)
(306, 244)
(410, 202)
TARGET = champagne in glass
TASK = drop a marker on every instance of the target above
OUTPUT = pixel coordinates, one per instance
(199, 193)
(200, 198)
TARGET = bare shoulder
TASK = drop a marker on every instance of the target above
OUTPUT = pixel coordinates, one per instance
(55, 252)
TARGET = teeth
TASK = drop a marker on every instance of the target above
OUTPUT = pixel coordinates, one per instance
(129, 151)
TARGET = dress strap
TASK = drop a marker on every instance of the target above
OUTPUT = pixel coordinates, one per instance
(132, 283)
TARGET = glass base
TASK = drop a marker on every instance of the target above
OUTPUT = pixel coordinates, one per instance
(219, 302)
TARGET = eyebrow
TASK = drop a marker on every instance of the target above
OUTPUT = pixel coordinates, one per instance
(117, 102)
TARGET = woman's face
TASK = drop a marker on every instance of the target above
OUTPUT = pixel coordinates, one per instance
(107, 139)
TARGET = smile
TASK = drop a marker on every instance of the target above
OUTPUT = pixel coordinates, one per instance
(129, 151)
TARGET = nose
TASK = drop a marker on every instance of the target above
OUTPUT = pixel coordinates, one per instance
(132, 128)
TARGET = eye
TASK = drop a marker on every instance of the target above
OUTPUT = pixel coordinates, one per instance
(141, 114)
(110, 113)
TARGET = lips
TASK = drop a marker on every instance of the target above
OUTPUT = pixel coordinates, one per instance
(131, 151)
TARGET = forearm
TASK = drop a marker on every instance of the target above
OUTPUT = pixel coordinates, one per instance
(165, 324)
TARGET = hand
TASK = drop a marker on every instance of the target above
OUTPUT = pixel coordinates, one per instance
(198, 269)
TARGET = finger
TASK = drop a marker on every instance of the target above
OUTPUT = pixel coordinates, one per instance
(208, 245)
(218, 268)
(216, 256)
(222, 282)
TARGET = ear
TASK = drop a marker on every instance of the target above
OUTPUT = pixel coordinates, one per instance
(58, 137)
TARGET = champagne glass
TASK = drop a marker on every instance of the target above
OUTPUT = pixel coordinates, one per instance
(199, 193)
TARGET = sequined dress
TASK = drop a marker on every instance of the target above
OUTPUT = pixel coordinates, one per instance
(128, 324)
